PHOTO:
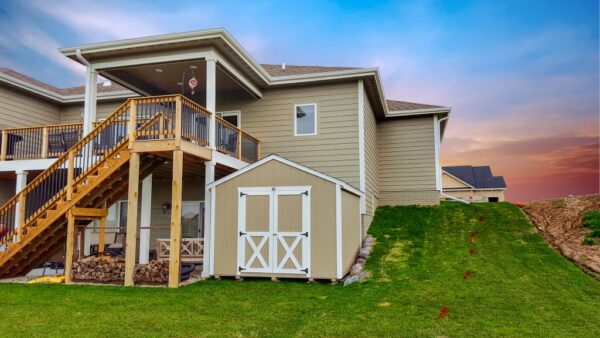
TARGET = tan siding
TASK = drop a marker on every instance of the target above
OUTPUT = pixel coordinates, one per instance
(371, 159)
(451, 182)
(351, 229)
(333, 151)
(72, 113)
(406, 155)
(323, 236)
(25, 110)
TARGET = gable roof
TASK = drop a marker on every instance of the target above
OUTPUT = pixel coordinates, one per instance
(479, 177)
(298, 166)
(394, 105)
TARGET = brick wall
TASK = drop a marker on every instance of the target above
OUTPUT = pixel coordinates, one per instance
(427, 197)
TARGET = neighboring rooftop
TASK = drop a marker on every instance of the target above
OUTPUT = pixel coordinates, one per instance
(71, 91)
(278, 70)
(479, 177)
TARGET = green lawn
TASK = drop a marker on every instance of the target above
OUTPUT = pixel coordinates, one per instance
(519, 287)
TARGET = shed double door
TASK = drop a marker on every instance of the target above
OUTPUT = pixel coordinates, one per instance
(274, 230)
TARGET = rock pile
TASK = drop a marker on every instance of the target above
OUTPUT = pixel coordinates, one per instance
(357, 272)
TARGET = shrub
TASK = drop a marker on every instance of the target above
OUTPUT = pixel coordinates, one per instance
(589, 241)
(595, 233)
(591, 219)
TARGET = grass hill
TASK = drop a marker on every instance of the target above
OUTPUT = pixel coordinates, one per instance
(483, 270)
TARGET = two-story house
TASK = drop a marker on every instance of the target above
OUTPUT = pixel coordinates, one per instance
(251, 169)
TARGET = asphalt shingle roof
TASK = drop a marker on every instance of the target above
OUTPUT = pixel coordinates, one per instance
(404, 105)
(480, 177)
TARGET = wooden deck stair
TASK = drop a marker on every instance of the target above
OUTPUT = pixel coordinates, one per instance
(92, 174)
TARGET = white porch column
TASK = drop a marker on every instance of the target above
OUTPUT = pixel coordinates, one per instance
(20, 184)
(209, 177)
(89, 108)
(87, 239)
(211, 98)
(146, 220)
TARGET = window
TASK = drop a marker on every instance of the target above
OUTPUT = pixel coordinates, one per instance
(305, 119)
(233, 117)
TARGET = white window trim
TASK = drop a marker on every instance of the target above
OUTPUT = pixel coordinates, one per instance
(295, 119)
(237, 113)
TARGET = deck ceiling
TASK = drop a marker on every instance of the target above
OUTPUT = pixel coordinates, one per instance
(193, 168)
(173, 78)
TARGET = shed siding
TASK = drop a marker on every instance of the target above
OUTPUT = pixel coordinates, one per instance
(333, 151)
(273, 173)
(18, 110)
(351, 229)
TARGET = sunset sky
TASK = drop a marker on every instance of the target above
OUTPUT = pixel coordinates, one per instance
(522, 77)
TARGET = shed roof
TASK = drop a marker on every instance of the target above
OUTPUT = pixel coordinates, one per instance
(298, 166)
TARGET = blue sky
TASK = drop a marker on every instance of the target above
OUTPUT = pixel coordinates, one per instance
(514, 72)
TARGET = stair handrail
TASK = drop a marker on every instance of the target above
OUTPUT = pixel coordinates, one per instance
(123, 108)
(66, 159)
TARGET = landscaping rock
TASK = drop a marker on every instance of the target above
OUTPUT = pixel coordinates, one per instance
(356, 269)
(364, 253)
(363, 275)
(350, 280)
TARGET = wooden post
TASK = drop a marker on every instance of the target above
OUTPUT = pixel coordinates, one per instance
(177, 120)
(132, 216)
(161, 126)
(70, 248)
(101, 235)
(21, 218)
(258, 151)
(175, 245)
(70, 173)
(45, 135)
(4, 145)
(132, 122)
(239, 145)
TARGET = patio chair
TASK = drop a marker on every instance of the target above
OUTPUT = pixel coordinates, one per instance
(117, 248)
(56, 144)
(70, 138)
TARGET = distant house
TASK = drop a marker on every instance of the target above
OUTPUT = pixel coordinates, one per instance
(473, 184)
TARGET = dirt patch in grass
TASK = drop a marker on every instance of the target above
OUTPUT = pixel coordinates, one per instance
(559, 221)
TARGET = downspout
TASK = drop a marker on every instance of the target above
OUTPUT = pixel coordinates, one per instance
(89, 112)
(440, 171)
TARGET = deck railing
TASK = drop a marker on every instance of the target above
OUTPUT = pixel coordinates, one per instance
(39, 142)
(235, 142)
(54, 140)
(163, 117)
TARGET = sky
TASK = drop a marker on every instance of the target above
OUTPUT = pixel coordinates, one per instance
(522, 77)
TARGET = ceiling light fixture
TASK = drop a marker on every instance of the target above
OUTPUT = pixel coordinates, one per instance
(193, 67)
(158, 70)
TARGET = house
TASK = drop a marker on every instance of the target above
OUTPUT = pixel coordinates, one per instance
(143, 160)
(473, 184)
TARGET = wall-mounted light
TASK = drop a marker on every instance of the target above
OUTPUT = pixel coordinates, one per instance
(158, 70)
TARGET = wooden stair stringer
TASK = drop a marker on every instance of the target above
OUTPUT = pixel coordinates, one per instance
(34, 230)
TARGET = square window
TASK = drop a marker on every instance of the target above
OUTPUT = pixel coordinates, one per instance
(305, 119)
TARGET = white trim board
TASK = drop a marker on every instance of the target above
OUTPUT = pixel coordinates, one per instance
(361, 146)
(298, 166)
(338, 231)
